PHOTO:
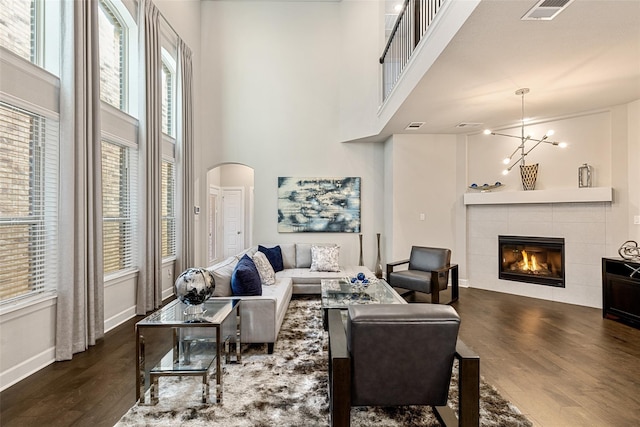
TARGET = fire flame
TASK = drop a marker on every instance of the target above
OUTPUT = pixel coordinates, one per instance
(529, 265)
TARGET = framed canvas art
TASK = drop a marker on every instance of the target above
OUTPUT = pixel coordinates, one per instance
(319, 205)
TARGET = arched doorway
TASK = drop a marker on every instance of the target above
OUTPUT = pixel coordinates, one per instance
(229, 210)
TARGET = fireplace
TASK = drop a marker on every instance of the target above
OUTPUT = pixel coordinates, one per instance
(538, 260)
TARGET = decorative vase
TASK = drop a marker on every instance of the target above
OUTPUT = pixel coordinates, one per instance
(584, 176)
(193, 287)
(529, 173)
(360, 261)
(378, 271)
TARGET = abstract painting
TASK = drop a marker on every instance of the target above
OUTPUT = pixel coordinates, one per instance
(319, 205)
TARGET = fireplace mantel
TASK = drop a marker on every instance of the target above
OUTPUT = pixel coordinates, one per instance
(562, 195)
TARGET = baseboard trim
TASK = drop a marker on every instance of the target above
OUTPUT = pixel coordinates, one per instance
(119, 319)
(30, 366)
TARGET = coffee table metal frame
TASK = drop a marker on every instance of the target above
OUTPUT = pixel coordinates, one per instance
(173, 316)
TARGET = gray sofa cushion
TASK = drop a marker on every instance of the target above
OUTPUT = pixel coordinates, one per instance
(222, 274)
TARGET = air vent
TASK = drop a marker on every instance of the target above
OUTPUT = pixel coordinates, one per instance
(468, 125)
(546, 10)
(414, 125)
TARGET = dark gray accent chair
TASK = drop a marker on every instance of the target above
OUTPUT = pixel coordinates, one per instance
(427, 272)
(400, 354)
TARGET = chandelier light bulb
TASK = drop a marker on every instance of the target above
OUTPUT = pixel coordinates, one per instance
(550, 132)
(487, 132)
(506, 160)
(506, 171)
(562, 145)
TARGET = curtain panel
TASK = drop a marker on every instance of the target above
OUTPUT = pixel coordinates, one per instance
(80, 306)
(149, 289)
(184, 159)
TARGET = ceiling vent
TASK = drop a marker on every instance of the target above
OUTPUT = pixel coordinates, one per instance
(468, 125)
(546, 10)
(414, 126)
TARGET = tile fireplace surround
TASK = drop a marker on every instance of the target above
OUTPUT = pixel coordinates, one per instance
(582, 224)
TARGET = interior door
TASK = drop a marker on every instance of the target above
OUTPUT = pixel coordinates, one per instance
(214, 225)
(233, 213)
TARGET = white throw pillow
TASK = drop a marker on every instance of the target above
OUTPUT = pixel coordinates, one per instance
(265, 270)
(325, 258)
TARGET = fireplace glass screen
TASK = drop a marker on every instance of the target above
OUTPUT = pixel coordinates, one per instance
(538, 260)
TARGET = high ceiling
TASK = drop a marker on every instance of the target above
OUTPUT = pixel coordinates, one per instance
(586, 59)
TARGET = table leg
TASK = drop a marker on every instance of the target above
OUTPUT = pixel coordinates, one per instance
(140, 368)
(218, 364)
(205, 388)
(238, 343)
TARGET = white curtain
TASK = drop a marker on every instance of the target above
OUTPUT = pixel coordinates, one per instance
(80, 306)
(184, 160)
(149, 292)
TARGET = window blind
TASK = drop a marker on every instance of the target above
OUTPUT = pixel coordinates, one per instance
(17, 27)
(112, 57)
(168, 232)
(29, 203)
(119, 181)
(167, 100)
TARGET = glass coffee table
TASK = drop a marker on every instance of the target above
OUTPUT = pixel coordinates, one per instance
(341, 293)
(194, 344)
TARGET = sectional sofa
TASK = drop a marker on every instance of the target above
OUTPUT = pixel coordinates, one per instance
(262, 315)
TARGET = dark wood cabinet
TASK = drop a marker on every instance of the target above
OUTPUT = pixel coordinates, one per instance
(621, 290)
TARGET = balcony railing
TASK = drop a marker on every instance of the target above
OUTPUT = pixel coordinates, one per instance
(411, 25)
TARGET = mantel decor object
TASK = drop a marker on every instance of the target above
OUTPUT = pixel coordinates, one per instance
(529, 174)
(485, 188)
(584, 176)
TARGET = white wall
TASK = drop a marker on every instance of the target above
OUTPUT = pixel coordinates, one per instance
(423, 182)
(273, 103)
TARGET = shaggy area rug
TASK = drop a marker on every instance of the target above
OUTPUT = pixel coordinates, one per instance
(289, 388)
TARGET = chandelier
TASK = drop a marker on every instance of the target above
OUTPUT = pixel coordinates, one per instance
(521, 150)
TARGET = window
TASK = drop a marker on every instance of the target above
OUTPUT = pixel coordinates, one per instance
(168, 98)
(118, 206)
(17, 27)
(24, 26)
(168, 196)
(117, 35)
(112, 58)
(168, 209)
(28, 206)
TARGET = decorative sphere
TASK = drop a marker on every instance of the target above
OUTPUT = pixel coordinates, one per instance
(354, 279)
(194, 285)
(361, 276)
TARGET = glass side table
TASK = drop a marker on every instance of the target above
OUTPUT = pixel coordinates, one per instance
(217, 327)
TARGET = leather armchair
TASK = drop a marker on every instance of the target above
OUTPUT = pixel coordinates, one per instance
(396, 355)
(427, 272)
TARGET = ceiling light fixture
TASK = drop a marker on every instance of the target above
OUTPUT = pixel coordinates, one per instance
(524, 138)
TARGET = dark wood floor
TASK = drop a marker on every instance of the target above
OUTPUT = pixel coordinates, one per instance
(561, 365)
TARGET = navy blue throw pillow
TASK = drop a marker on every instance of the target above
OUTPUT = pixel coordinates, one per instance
(245, 279)
(274, 255)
